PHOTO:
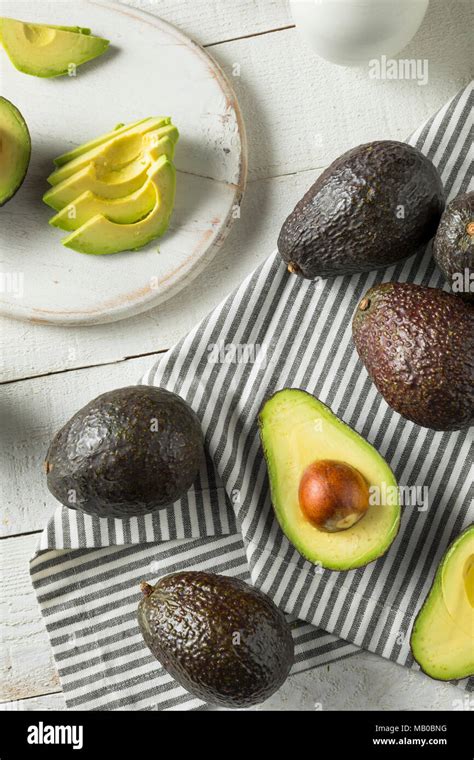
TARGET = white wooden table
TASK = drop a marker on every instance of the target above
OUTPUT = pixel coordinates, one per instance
(300, 114)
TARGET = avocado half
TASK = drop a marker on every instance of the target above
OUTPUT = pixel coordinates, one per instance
(296, 429)
(221, 639)
(453, 246)
(15, 150)
(442, 639)
(128, 452)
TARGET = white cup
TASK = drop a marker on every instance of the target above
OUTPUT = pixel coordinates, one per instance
(353, 32)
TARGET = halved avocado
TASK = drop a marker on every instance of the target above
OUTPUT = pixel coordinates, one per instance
(118, 130)
(47, 51)
(15, 150)
(120, 150)
(125, 210)
(297, 430)
(110, 185)
(101, 236)
(442, 639)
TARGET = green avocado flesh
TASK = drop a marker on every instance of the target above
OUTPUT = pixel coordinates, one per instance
(442, 640)
(100, 235)
(108, 185)
(125, 210)
(15, 150)
(296, 429)
(72, 154)
(119, 150)
(48, 51)
(128, 452)
(189, 621)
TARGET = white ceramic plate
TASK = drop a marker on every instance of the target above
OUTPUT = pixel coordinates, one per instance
(151, 69)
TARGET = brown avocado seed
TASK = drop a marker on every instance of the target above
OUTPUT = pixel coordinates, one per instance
(333, 496)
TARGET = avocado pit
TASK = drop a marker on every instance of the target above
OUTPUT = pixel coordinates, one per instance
(333, 495)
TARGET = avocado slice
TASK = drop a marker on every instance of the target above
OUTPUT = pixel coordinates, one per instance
(101, 236)
(296, 430)
(375, 205)
(120, 150)
(47, 51)
(417, 345)
(128, 452)
(15, 150)
(453, 247)
(110, 185)
(221, 639)
(125, 210)
(442, 639)
(118, 130)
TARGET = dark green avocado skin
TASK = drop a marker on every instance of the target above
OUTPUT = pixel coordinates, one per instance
(453, 246)
(375, 205)
(126, 453)
(222, 640)
(417, 345)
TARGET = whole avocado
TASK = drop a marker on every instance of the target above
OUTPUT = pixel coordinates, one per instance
(128, 452)
(453, 246)
(222, 640)
(375, 205)
(417, 345)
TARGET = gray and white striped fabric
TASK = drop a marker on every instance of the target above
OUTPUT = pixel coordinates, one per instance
(274, 331)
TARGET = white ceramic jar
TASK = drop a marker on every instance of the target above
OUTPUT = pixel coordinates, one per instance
(353, 32)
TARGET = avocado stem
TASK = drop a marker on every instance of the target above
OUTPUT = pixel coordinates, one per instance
(470, 228)
(364, 304)
(145, 588)
(292, 268)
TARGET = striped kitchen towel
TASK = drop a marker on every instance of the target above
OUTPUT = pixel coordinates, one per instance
(275, 330)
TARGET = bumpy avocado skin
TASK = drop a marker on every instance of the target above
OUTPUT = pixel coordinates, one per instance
(375, 205)
(222, 640)
(453, 246)
(127, 452)
(417, 345)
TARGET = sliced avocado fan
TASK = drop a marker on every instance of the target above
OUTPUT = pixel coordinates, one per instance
(101, 236)
(15, 149)
(48, 51)
(107, 185)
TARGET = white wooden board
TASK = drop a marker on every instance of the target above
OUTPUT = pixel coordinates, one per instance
(151, 69)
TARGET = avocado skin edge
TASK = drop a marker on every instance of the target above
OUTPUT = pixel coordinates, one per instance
(453, 247)
(23, 125)
(417, 345)
(117, 461)
(347, 221)
(431, 589)
(188, 621)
